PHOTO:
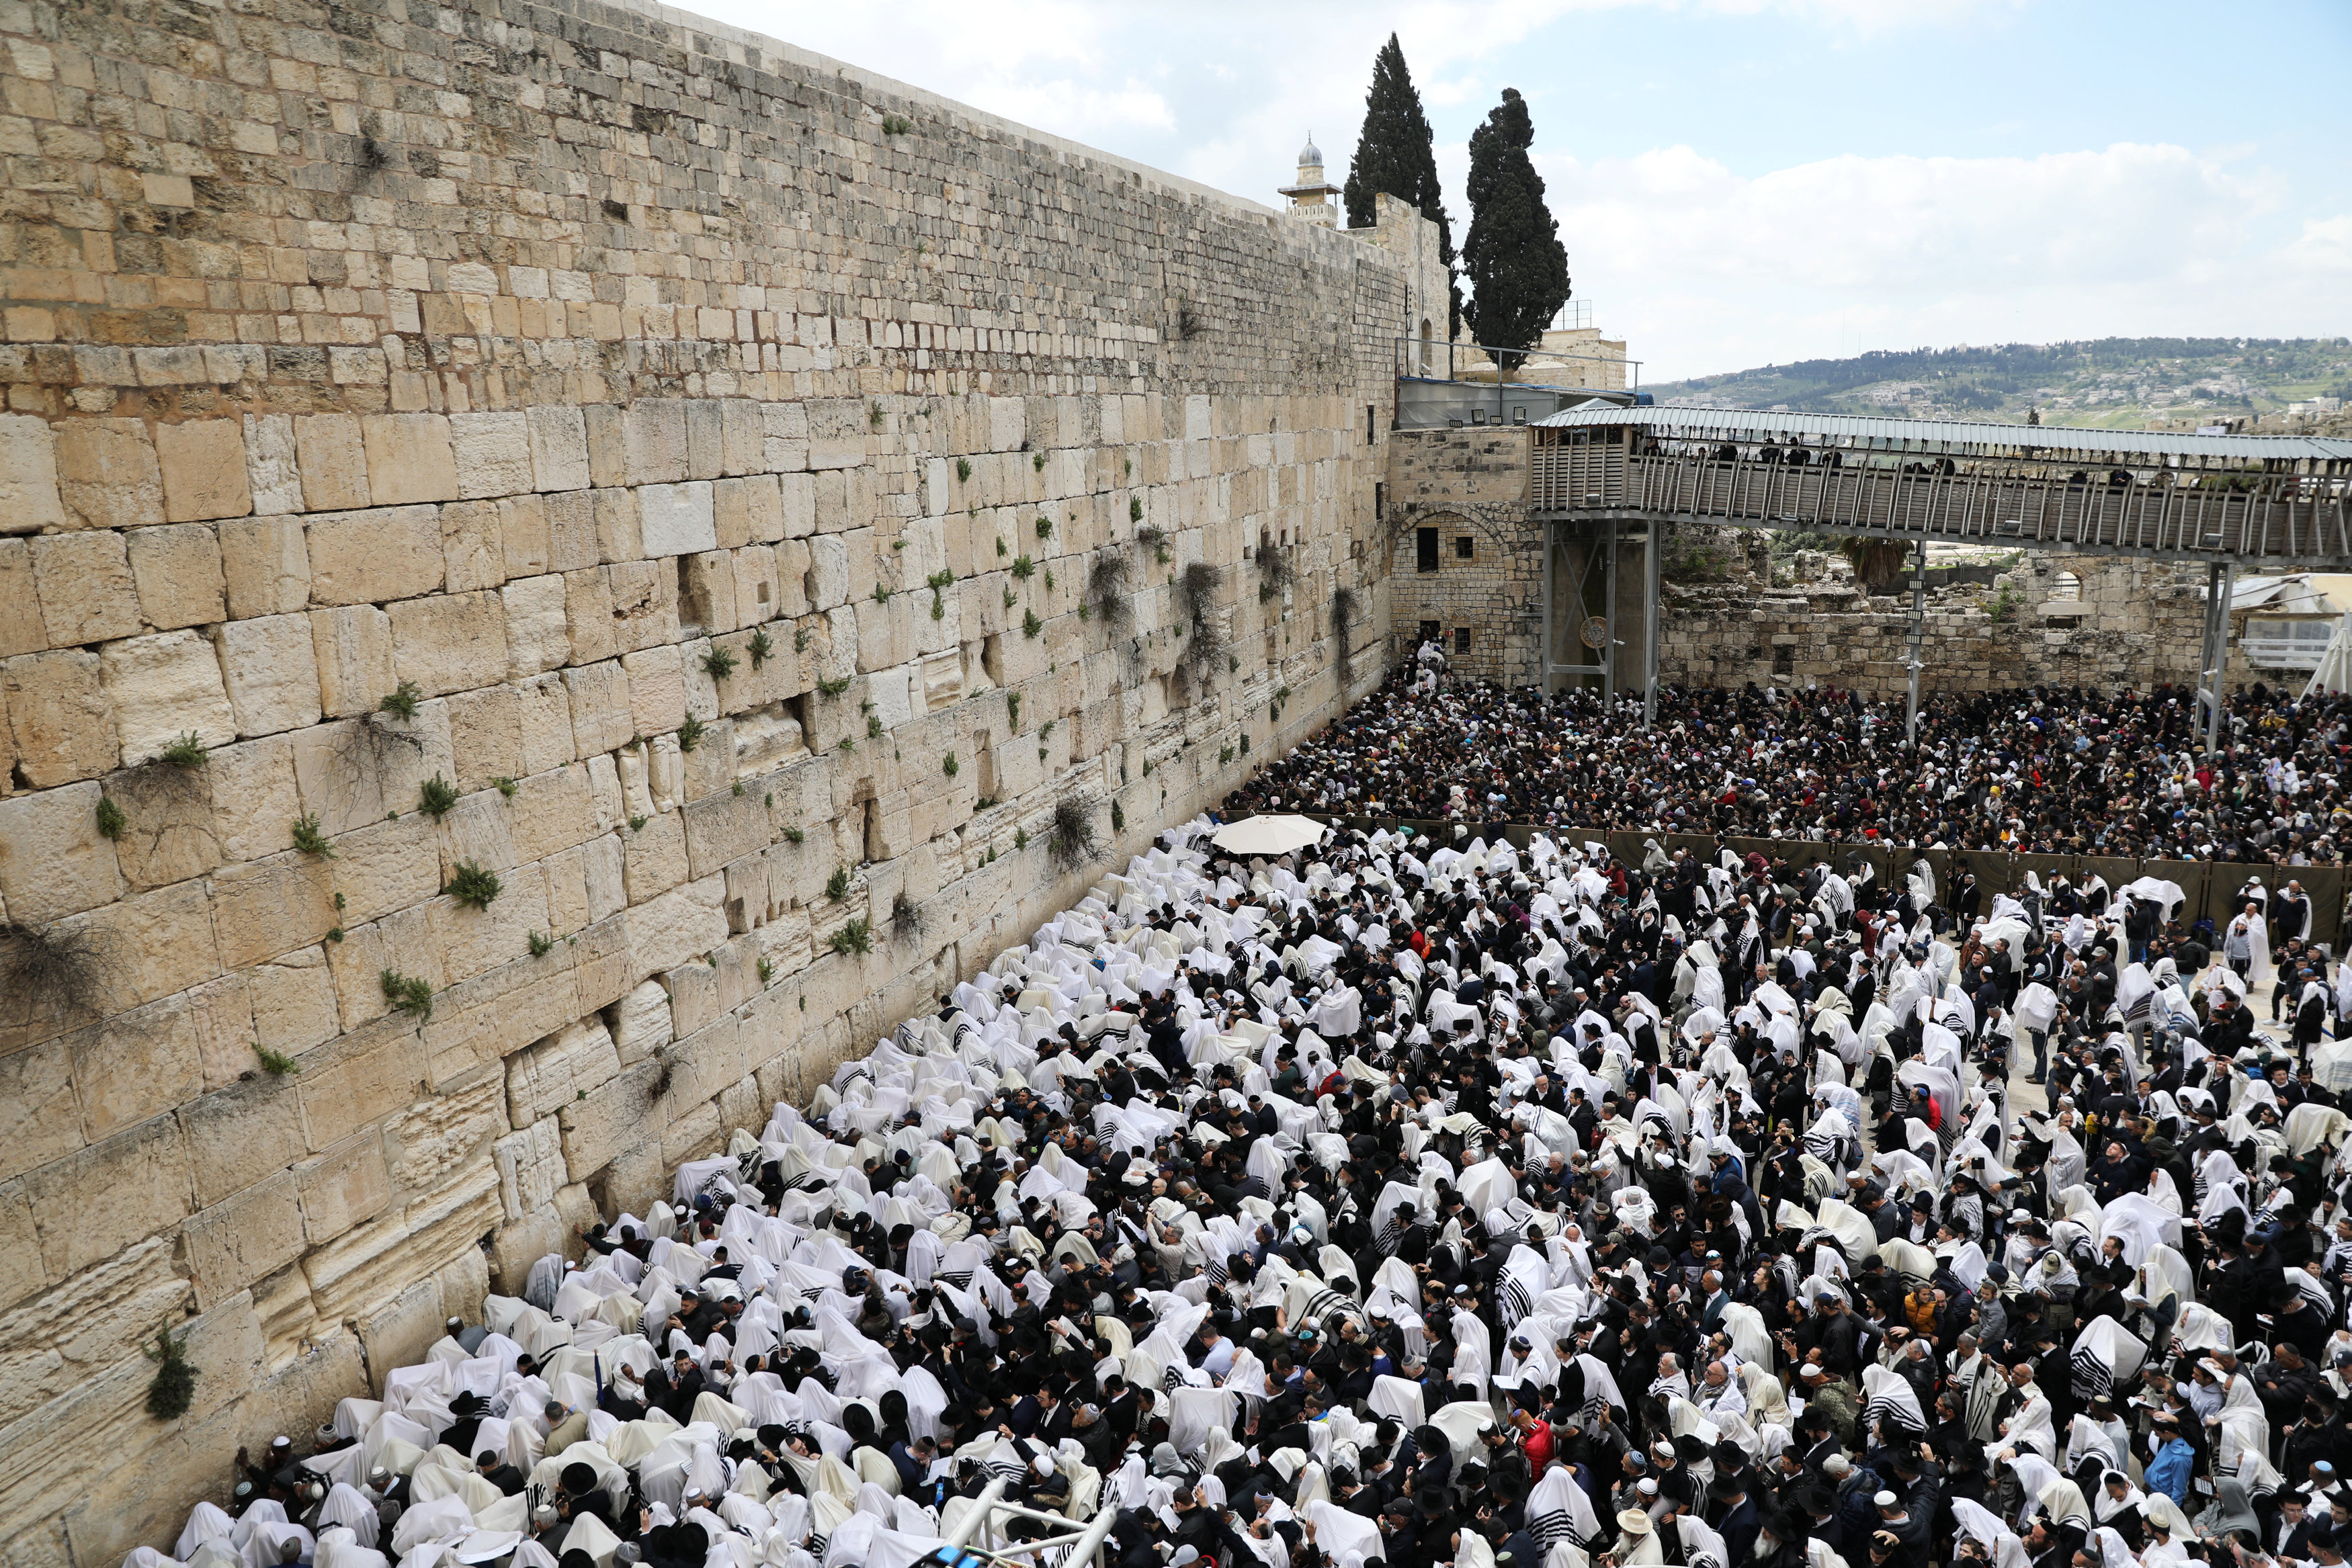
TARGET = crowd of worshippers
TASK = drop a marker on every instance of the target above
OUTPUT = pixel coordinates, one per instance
(1417, 1205)
(2048, 770)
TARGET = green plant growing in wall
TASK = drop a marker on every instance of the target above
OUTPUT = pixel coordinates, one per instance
(541, 945)
(1030, 624)
(277, 1064)
(1010, 601)
(505, 786)
(836, 887)
(690, 734)
(1037, 461)
(185, 752)
(759, 647)
(110, 821)
(845, 744)
(896, 125)
(1019, 838)
(796, 835)
(1117, 818)
(873, 416)
(719, 663)
(800, 640)
(637, 824)
(964, 470)
(874, 726)
(402, 701)
(881, 593)
(767, 973)
(1013, 709)
(947, 765)
(1044, 525)
(435, 796)
(173, 1387)
(1046, 730)
(1024, 567)
(407, 993)
(858, 937)
(1134, 505)
(472, 884)
(834, 687)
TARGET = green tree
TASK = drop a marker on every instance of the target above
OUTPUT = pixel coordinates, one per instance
(1396, 155)
(1516, 266)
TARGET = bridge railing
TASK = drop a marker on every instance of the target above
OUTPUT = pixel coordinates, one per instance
(2283, 521)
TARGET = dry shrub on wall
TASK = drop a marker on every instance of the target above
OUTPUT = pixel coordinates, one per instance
(1106, 589)
(1196, 601)
(906, 917)
(1072, 840)
(1343, 614)
(56, 973)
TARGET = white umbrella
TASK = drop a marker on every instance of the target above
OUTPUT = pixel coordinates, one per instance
(2335, 672)
(1279, 834)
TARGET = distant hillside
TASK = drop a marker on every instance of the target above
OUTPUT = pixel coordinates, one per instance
(2118, 383)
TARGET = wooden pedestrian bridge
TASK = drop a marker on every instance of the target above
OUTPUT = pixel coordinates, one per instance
(2226, 500)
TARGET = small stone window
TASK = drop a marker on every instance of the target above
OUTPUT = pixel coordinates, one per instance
(1424, 541)
(1431, 632)
(1462, 546)
(2066, 586)
(1784, 660)
(1462, 639)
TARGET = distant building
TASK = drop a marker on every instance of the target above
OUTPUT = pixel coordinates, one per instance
(1314, 198)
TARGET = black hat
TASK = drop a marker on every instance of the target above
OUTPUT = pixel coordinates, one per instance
(578, 1478)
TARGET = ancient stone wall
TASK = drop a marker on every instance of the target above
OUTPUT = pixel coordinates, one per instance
(1483, 595)
(725, 497)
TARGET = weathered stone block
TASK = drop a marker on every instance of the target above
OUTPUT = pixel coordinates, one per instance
(335, 462)
(242, 1134)
(600, 705)
(409, 458)
(450, 642)
(86, 588)
(162, 688)
(655, 441)
(439, 1140)
(353, 650)
(644, 605)
(58, 717)
(245, 1237)
(367, 557)
(293, 1001)
(537, 612)
(558, 447)
(40, 1120)
(360, 1079)
(653, 857)
(270, 668)
(676, 520)
(273, 464)
(492, 452)
(204, 470)
(656, 690)
(20, 602)
(178, 572)
(555, 1071)
(346, 1186)
(265, 564)
(530, 1168)
(143, 1170)
(28, 477)
(386, 866)
(107, 474)
(268, 907)
(169, 831)
(473, 545)
(255, 799)
(543, 709)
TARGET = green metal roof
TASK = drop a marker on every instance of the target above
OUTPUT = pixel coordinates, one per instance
(1945, 435)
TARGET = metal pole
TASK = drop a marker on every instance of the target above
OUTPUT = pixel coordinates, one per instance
(971, 1523)
(1650, 563)
(2220, 578)
(1544, 637)
(1608, 650)
(1918, 627)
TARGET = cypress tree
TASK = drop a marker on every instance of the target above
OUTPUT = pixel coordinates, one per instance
(1396, 155)
(1516, 266)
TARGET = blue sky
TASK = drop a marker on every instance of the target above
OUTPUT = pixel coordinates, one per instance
(1741, 182)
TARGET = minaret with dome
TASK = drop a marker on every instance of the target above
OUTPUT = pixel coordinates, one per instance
(1314, 198)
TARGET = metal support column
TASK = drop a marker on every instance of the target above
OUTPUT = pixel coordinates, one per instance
(1607, 651)
(1650, 554)
(1548, 636)
(2221, 578)
(1918, 629)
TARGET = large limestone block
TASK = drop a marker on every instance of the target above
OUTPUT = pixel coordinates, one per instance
(748, 511)
(600, 705)
(655, 441)
(20, 602)
(335, 462)
(654, 856)
(136, 1065)
(243, 1134)
(163, 686)
(204, 470)
(409, 458)
(588, 620)
(644, 605)
(554, 812)
(679, 926)
(530, 1168)
(493, 453)
(572, 542)
(107, 474)
(244, 1239)
(558, 447)
(270, 667)
(266, 908)
(170, 831)
(58, 717)
(538, 626)
(40, 1120)
(554, 1073)
(348, 1185)
(266, 563)
(836, 429)
(543, 712)
(386, 866)
(642, 1025)
(86, 588)
(827, 579)
(178, 572)
(28, 477)
(366, 1075)
(450, 642)
(142, 1171)
(158, 942)
(367, 557)
(437, 1140)
(486, 736)
(53, 859)
(273, 464)
(656, 690)
(65, 1341)
(473, 545)
(352, 652)
(677, 519)
(293, 1002)
(622, 1114)
(724, 828)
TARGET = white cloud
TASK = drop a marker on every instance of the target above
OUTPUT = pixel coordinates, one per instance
(1708, 271)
